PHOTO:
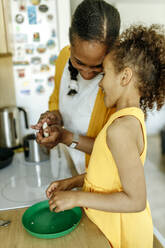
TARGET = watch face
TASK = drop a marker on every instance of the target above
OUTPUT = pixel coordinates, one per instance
(75, 140)
(73, 145)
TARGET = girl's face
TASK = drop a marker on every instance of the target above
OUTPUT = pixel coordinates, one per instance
(87, 57)
(110, 84)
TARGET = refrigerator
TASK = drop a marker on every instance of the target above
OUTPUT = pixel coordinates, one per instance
(40, 31)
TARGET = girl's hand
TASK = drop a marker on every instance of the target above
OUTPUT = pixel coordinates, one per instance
(61, 185)
(63, 200)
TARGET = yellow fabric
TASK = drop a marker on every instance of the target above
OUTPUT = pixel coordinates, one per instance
(60, 65)
(100, 113)
(123, 230)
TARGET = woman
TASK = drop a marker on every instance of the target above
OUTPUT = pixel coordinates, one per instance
(77, 101)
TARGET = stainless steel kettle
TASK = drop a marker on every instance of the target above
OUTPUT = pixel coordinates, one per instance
(10, 135)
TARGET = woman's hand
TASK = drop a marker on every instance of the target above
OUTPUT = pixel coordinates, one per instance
(50, 117)
(56, 134)
(63, 200)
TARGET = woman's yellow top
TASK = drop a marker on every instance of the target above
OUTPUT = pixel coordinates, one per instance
(100, 113)
(123, 230)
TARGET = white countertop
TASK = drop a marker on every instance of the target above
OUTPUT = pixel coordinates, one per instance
(23, 183)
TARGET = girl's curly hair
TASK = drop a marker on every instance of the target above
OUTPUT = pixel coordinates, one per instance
(143, 49)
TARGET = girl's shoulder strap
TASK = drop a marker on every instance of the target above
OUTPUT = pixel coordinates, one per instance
(60, 65)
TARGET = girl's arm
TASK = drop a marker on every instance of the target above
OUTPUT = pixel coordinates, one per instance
(122, 142)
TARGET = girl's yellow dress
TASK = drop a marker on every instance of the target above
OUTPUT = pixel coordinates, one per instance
(123, 230)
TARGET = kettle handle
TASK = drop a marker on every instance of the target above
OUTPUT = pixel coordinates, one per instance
(15, 131)
(26, 147)
(25, 116)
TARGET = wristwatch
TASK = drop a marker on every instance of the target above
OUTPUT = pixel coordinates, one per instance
(75, 140)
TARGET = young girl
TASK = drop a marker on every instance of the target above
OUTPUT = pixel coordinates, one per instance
(114, 190)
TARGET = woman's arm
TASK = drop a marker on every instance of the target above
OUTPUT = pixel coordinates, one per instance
(85, 143)
(58, 134)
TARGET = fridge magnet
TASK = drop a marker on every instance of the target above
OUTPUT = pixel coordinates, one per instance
(22, 8)
(53, 33)
(21, 62)
(19, 51)
(44, 68)
(41, 48)
(21, 73)
(32, 16)
(51, 81)
(50, 17)
(43, 8)
(35, 2)
(25, 92)
(19, 18)
(21, 38)
(26, 83)
(29, 49)
(17, 28)
(22, 5)
(36, 60)
(40, 89)
(50, 44)
(39, 80)
(53, 59)
(20, 54)
(36, 36)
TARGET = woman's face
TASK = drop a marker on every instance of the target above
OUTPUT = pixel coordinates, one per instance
(87, 57)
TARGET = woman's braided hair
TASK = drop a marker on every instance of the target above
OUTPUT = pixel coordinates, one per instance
(143, 49)
(94, 20)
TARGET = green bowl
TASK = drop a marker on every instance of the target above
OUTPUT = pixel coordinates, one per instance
(40, 222)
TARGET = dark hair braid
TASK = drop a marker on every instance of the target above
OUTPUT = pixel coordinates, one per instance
(73, 76)
(73, 71)
(94, 20)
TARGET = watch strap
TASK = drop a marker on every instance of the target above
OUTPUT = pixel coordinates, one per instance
(75, 140)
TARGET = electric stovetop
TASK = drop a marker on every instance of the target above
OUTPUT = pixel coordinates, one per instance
(24, 183)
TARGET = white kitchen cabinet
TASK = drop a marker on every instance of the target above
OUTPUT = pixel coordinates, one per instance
(5, 28)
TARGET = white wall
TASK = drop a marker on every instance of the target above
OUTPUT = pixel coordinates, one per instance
(74, 4)
(146, 12)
